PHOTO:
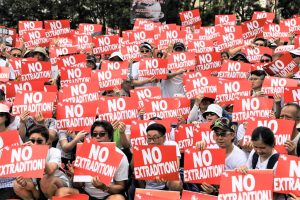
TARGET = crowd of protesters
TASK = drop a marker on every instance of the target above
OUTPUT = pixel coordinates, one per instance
(259, 153)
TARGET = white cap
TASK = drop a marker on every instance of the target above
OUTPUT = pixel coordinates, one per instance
(213, 108)
(116, 54)
(4, 108)
(296, 51)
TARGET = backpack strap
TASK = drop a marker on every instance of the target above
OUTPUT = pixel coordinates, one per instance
(272, 161)
(254, 160)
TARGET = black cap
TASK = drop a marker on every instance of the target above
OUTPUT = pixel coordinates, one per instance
(179, 46)
(91, 58)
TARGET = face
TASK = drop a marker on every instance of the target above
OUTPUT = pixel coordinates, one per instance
(16, 53)
(262, 149)
(211, 117)
(265, 59)
(289, 113)
(145, 53)
(204, 104)
(224, 56)
(37, 138)
(259, 43)
(90, 64)
(100, 134)
(223, 138)
(256, 82)
(155, 138)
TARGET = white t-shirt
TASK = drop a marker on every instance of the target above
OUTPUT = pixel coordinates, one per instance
(172, 86)
(235, 159)
(120, 175)
(260, 165)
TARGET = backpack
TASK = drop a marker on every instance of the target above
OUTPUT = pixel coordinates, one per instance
(272, 161)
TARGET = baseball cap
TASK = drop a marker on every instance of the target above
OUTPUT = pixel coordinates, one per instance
(239, 56)
(116, 54)
(146, 45)
(224, 124)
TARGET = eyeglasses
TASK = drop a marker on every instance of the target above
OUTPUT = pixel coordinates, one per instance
(145, 51)
(100, 134)
(38, 141)
(263, 61)
(16, 55)
(154, 139)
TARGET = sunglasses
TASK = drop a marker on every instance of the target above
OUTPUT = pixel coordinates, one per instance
(145, 51)
(38, 141)
(263, 61)
(211, 114)
(16, 55)
(2, 114)
(100, 134)
(221, 133)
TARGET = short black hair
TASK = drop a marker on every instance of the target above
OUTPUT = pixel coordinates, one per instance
(259, 73)
(39, 129)
(265, 134)
(157, 127)
(107, 127)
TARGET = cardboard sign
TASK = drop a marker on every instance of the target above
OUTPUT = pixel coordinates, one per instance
(75, 75)
(191, 17)
(263, 15)
(74, 116)
(117, 108)
(82, 41)
(231, 36)
(275, 85)
(168, 37)
(281, 128)
(79, 92)
(105, 44)
(107, 79)
(293, 24)
(284, 49)
(166, 108)
(16, 64)
(286, 179)
(203, 166)
(188, 195)
(209, 33)
(141, 194)
(253, 28)
(14, 86)
(292, 95)
(61, 42)
(182, 60)
(25, 161)
(72, 196)
(272, 30)
(139, 36)
(138, 130)
(144, 24)
(73, 61)
(200, 46)
(35, 38)
(143, 93)
(225, 19)
(256, 184)
(4, 74)
(254, 54)
(113, 66)
(56, 28)
(281, 67)
(186, 136)
(208, 61)
(34, 102)
(9, 138)
(250, 108)
(155, 161)
(231, 90)
(207, 135)
(62, 51)
(130, 51)
(24, 26)
(234, 70)
(200, 85)
(153, 67)
(32, 70)
(89, 29)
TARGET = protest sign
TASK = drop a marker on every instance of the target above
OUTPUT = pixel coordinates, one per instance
(181, 60)
(105, 44)
(191, 17)
(234, 70)
(153, 67)
(292, 95)
(188, 195)
(32, 70)
(56, 28)
(208, 61)
(9, 138)
(156, 194)
(276, 85)
(107, 79)
(186, 136)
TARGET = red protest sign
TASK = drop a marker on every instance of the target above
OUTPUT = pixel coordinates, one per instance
(188, 195)
(34, 102)
(200, 46)
(186, 136)
(297, 41)
(32, 70)
(197, 163)
(61, 42)
(234, 70)
(62, 51)
(138, 130)
(139, 36)
(79, 92)
(293, 24)
(208, 61)
(251, 107)
(82, 41)
(281, 67)
(94, 157)
(209, 33)
(231, 90)
(225, 19)
(89, 29)
(130, 51)
(147, 159)
(107, 79)
(263, 15)
(292, 95)
(286, 179)
(153, 67)
(114, 65)
(24, 26)
(231, 36)
(156, 194)
(16, 64)
(117, 108)
(141, 23)
(168, 37)
(74, 116)
(9, 138)
(284, 49)
(254, 54)
(275, 85)
(281, 128)
(181, 60)
(56, 28)
(143, 93)
(4, 74)
(200, 85)
(191, 17)
(207, 135)
(72, 196)
(105, 44)
(74, 61)
(25, 161)
(14, 86)
(272, 30)
(35, 38)
(75, 75)
(253, 185)
(253, 28)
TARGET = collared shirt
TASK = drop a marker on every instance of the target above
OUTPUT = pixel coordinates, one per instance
(6, 182)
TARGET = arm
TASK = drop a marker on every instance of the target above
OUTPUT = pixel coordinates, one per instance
(50, 168)
(173, 74)
(68, 146)
(143, 82)
(193, 115)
